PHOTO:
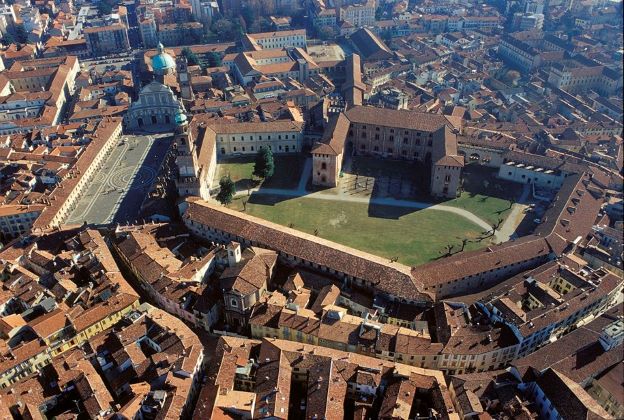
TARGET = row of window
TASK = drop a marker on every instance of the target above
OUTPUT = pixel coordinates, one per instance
(286, 149)
(251, 138)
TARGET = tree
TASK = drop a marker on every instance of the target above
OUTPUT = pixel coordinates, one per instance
(8, 39)
(386, 36)
(264, 166)
(104, 8)
(379, 13)
(20, 34)
(325, 32)
(449, 250)
(496, 226)
(214, 59)
(190, 56)
(226, 191)
(223, 28)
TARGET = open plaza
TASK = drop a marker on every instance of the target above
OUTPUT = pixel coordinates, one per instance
(120, 187)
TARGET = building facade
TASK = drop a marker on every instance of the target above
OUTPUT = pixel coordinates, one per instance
(107, 39)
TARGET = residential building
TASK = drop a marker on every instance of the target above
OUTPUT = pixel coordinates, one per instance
(103, 40)
(295, 38)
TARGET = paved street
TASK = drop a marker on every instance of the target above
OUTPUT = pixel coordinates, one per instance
(118, 190)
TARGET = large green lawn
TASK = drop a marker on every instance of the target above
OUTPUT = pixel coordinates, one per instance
(286, 176)
(484, 195)
(415, 237)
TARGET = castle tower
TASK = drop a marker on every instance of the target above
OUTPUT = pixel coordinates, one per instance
(184, 79)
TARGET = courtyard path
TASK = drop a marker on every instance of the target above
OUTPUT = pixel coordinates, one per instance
(380, 201)
(508, 229)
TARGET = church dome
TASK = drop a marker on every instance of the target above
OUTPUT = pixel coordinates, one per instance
(162, 62)
(180, 118)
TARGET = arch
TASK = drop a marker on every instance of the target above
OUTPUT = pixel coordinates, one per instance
(475, 156)
(154, 120)
(167, 119)
(140, 122)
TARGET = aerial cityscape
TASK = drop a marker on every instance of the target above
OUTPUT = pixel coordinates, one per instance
(311, 209)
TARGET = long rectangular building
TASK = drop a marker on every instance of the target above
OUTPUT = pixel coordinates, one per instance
(220, 224)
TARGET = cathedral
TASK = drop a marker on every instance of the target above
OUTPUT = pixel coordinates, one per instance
(157, 106)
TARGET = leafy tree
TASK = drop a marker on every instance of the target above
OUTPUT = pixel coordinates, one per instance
(214, 59)
(325, 32)
(248, 15)
(386, 36)
(264, 165)
(20, 34)
(223, 28)
(104, 8)
(379, 13)
(227, 190)
(190, 56)
(8, 39)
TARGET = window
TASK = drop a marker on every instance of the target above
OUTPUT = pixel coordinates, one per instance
(405, 140)
(323, 165)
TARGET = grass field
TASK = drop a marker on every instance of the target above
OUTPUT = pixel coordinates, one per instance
(415, 237)
(287, 171)
(484, 195)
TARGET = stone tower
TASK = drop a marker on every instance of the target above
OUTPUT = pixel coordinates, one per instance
(187, 181)
(184, 79)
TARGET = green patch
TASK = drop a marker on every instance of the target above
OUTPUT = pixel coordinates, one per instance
(414, 236)
(484, 195)
(287, 173)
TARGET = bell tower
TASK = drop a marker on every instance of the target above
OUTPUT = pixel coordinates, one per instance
(184, 79)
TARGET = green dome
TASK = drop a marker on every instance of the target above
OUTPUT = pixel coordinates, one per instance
(162, 61)
(180, 118)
